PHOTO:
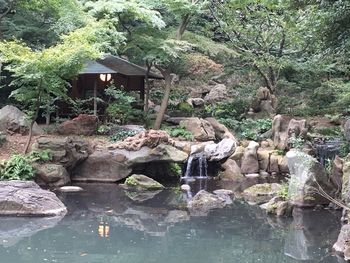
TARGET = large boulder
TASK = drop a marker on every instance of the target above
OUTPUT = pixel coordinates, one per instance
(203, 202)
(216, 94)
(284, 127)
(200, 128)
(67, 151)
(102, 166)
(26, 198)
(261, 193)
(115, 165)
(12, 120)
(308, 179)
(52, 175)
(221, 150)
(84, 124)
(231, 172)
(250, 163)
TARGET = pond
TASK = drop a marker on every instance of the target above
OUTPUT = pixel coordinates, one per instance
(105, 225)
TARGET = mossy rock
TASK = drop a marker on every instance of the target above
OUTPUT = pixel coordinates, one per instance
(141, 182)
(261, 193)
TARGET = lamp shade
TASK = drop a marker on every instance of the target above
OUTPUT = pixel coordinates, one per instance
(105, 77)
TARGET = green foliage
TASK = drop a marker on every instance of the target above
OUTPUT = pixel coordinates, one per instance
(121, 134)
(120, 110)
(40, 156)
(296, 142)
(175, 169)
(284, 191)
(82, 106)
(40, 76)
(179, 131)
(330, 132)
(344, 150)
(185, 108)
(328, 166)
(18, 167)
(104, 129)
(231, 109)
(253, 129)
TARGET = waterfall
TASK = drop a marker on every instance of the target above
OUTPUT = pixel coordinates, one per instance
(189, 167)
(203, 166)
(197, 166)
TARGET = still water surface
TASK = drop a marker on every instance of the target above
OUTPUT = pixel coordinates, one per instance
(105, 225)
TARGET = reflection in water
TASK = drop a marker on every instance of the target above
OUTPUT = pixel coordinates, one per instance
(159, 230)
(103, 228)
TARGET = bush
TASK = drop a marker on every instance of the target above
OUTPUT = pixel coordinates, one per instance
(18, 167)
(232, 109)
(120, 110)
(253, 129)
(179, 131)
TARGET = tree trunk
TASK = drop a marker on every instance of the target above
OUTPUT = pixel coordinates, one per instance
(38, 102)
(31, 126)
(147, 88)
(182, 27)
(164, 105)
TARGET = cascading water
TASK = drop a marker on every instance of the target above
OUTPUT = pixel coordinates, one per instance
(196, 173)
(328, 149)
(197, 167)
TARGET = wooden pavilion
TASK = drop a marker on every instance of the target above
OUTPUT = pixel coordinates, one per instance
(96, 75)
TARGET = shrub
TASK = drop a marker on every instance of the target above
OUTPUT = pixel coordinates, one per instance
(18, 167)
(296, 142)
(179, 131)
(120, 109)
(232, 109)
(253, 129)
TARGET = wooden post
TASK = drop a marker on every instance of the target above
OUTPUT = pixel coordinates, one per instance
(95, 98)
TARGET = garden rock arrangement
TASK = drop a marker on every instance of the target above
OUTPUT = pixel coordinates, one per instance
(284, 127)
(67, 151)
(12, 120)
(26, 198)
